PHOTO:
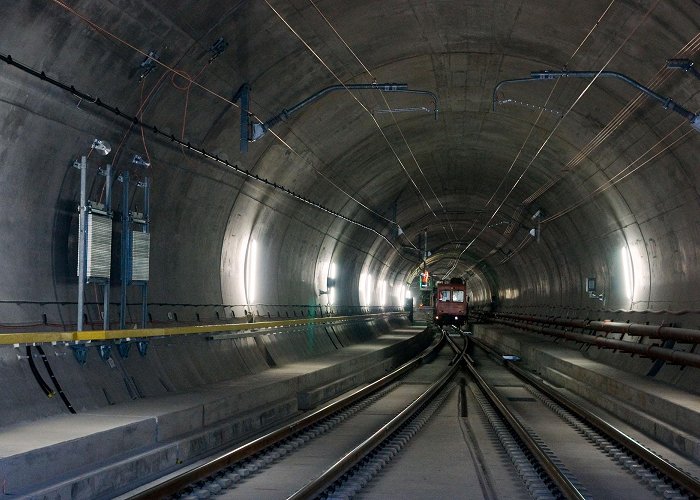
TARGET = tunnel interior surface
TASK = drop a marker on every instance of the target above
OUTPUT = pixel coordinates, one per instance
(167, 164)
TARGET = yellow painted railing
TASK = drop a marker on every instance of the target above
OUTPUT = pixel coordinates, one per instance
(89, 335)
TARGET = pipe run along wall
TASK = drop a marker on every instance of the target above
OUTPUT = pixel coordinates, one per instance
(646, 350)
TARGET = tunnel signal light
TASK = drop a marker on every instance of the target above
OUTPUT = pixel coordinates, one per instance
(425, 279)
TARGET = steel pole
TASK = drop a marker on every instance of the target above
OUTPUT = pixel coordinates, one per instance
(82, 258)
(146, 229)
(124, 261)
(106, 286)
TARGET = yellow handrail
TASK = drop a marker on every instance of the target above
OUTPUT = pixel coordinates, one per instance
(89, 335)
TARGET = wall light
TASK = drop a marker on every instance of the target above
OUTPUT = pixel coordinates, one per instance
(627, 272)
(252, 271)
(368, 290)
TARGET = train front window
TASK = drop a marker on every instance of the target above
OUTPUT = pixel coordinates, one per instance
(444, 295)
(458, 296)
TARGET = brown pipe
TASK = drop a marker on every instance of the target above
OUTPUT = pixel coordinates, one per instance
(652, 331)
(650, 351)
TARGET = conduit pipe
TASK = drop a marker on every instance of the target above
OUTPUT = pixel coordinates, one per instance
(686, 335)
(650, 351)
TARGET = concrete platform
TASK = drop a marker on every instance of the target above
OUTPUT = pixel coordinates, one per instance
(664, 412)
(102, 451)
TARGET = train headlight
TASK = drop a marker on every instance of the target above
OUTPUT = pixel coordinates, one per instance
(455, 318)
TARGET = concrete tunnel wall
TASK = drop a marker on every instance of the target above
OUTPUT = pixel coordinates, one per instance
(204, 216)
(173, 365)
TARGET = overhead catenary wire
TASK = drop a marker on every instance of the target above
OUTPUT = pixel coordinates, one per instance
(661, 76)
(564, 115)
(320, 59)
(539, 116)
(391, 112)
(624, 173)
(173, 70)
(96, 101)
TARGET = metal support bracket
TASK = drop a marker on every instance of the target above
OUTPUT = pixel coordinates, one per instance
(80, 353)
(260, 129)
(123, 348)
(666, 102)
(685, 64)
(217, 48)
(148, 64)
(142, 346)
(243, 94)
(105, 351)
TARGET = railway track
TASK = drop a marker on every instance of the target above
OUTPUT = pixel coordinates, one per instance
(326, 452)
(502, 435)
(559, 448)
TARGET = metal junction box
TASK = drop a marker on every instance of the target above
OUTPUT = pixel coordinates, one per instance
(140, 249)
(99, 246)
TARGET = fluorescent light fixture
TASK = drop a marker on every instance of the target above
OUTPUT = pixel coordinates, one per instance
(627, 273)
(368, 290)
(382, 293)
(252, 270)
(362, 289)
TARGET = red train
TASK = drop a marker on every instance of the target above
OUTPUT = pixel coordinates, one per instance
(451, 303)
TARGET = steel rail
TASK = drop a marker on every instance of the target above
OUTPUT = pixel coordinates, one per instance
(178, 483)
(353, 457)
(90, 335)
(677, 475)
(561, 481)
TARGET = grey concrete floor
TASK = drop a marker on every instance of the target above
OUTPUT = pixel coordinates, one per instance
(436, 463)
(285, 477)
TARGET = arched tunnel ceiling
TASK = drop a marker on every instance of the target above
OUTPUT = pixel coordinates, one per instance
(601, 163)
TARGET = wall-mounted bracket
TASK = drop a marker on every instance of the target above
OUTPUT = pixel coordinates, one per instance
(217, 48)
(80, 352)
(123, 348)
(139, 161)
(148, 64)
(260, 129)
(243, 94)
(666, 102)
(105, 351)
(142, 346)
(685, 64)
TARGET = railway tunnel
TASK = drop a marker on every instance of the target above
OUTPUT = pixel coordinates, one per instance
(250, 189)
